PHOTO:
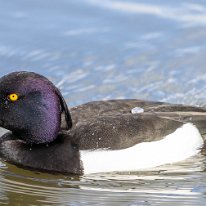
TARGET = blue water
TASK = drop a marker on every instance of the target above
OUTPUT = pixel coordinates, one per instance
(92, 50)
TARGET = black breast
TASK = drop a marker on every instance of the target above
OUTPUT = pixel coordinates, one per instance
(60, 156)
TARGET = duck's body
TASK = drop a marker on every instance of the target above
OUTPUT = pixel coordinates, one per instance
(108, 136)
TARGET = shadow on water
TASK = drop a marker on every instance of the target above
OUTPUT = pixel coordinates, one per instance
(92, 50)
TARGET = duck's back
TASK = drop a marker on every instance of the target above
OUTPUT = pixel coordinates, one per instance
(113, 124)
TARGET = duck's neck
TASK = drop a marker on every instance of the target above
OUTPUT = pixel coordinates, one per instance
(61, 156)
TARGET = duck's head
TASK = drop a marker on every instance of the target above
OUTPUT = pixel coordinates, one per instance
(32, 107)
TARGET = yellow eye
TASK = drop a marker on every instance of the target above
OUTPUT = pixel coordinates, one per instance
(13, 97)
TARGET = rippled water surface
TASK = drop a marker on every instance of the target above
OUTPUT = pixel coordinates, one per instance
(93, 49)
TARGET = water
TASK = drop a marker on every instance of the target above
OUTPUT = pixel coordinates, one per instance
(93, 49)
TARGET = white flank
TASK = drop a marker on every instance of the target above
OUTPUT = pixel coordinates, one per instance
(181, 144)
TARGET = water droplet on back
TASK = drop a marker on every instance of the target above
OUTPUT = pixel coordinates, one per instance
(137, 110)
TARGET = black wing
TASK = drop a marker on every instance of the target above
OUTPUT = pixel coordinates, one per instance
(110, 124)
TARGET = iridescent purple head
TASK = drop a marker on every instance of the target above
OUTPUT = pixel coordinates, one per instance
(31, 107)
